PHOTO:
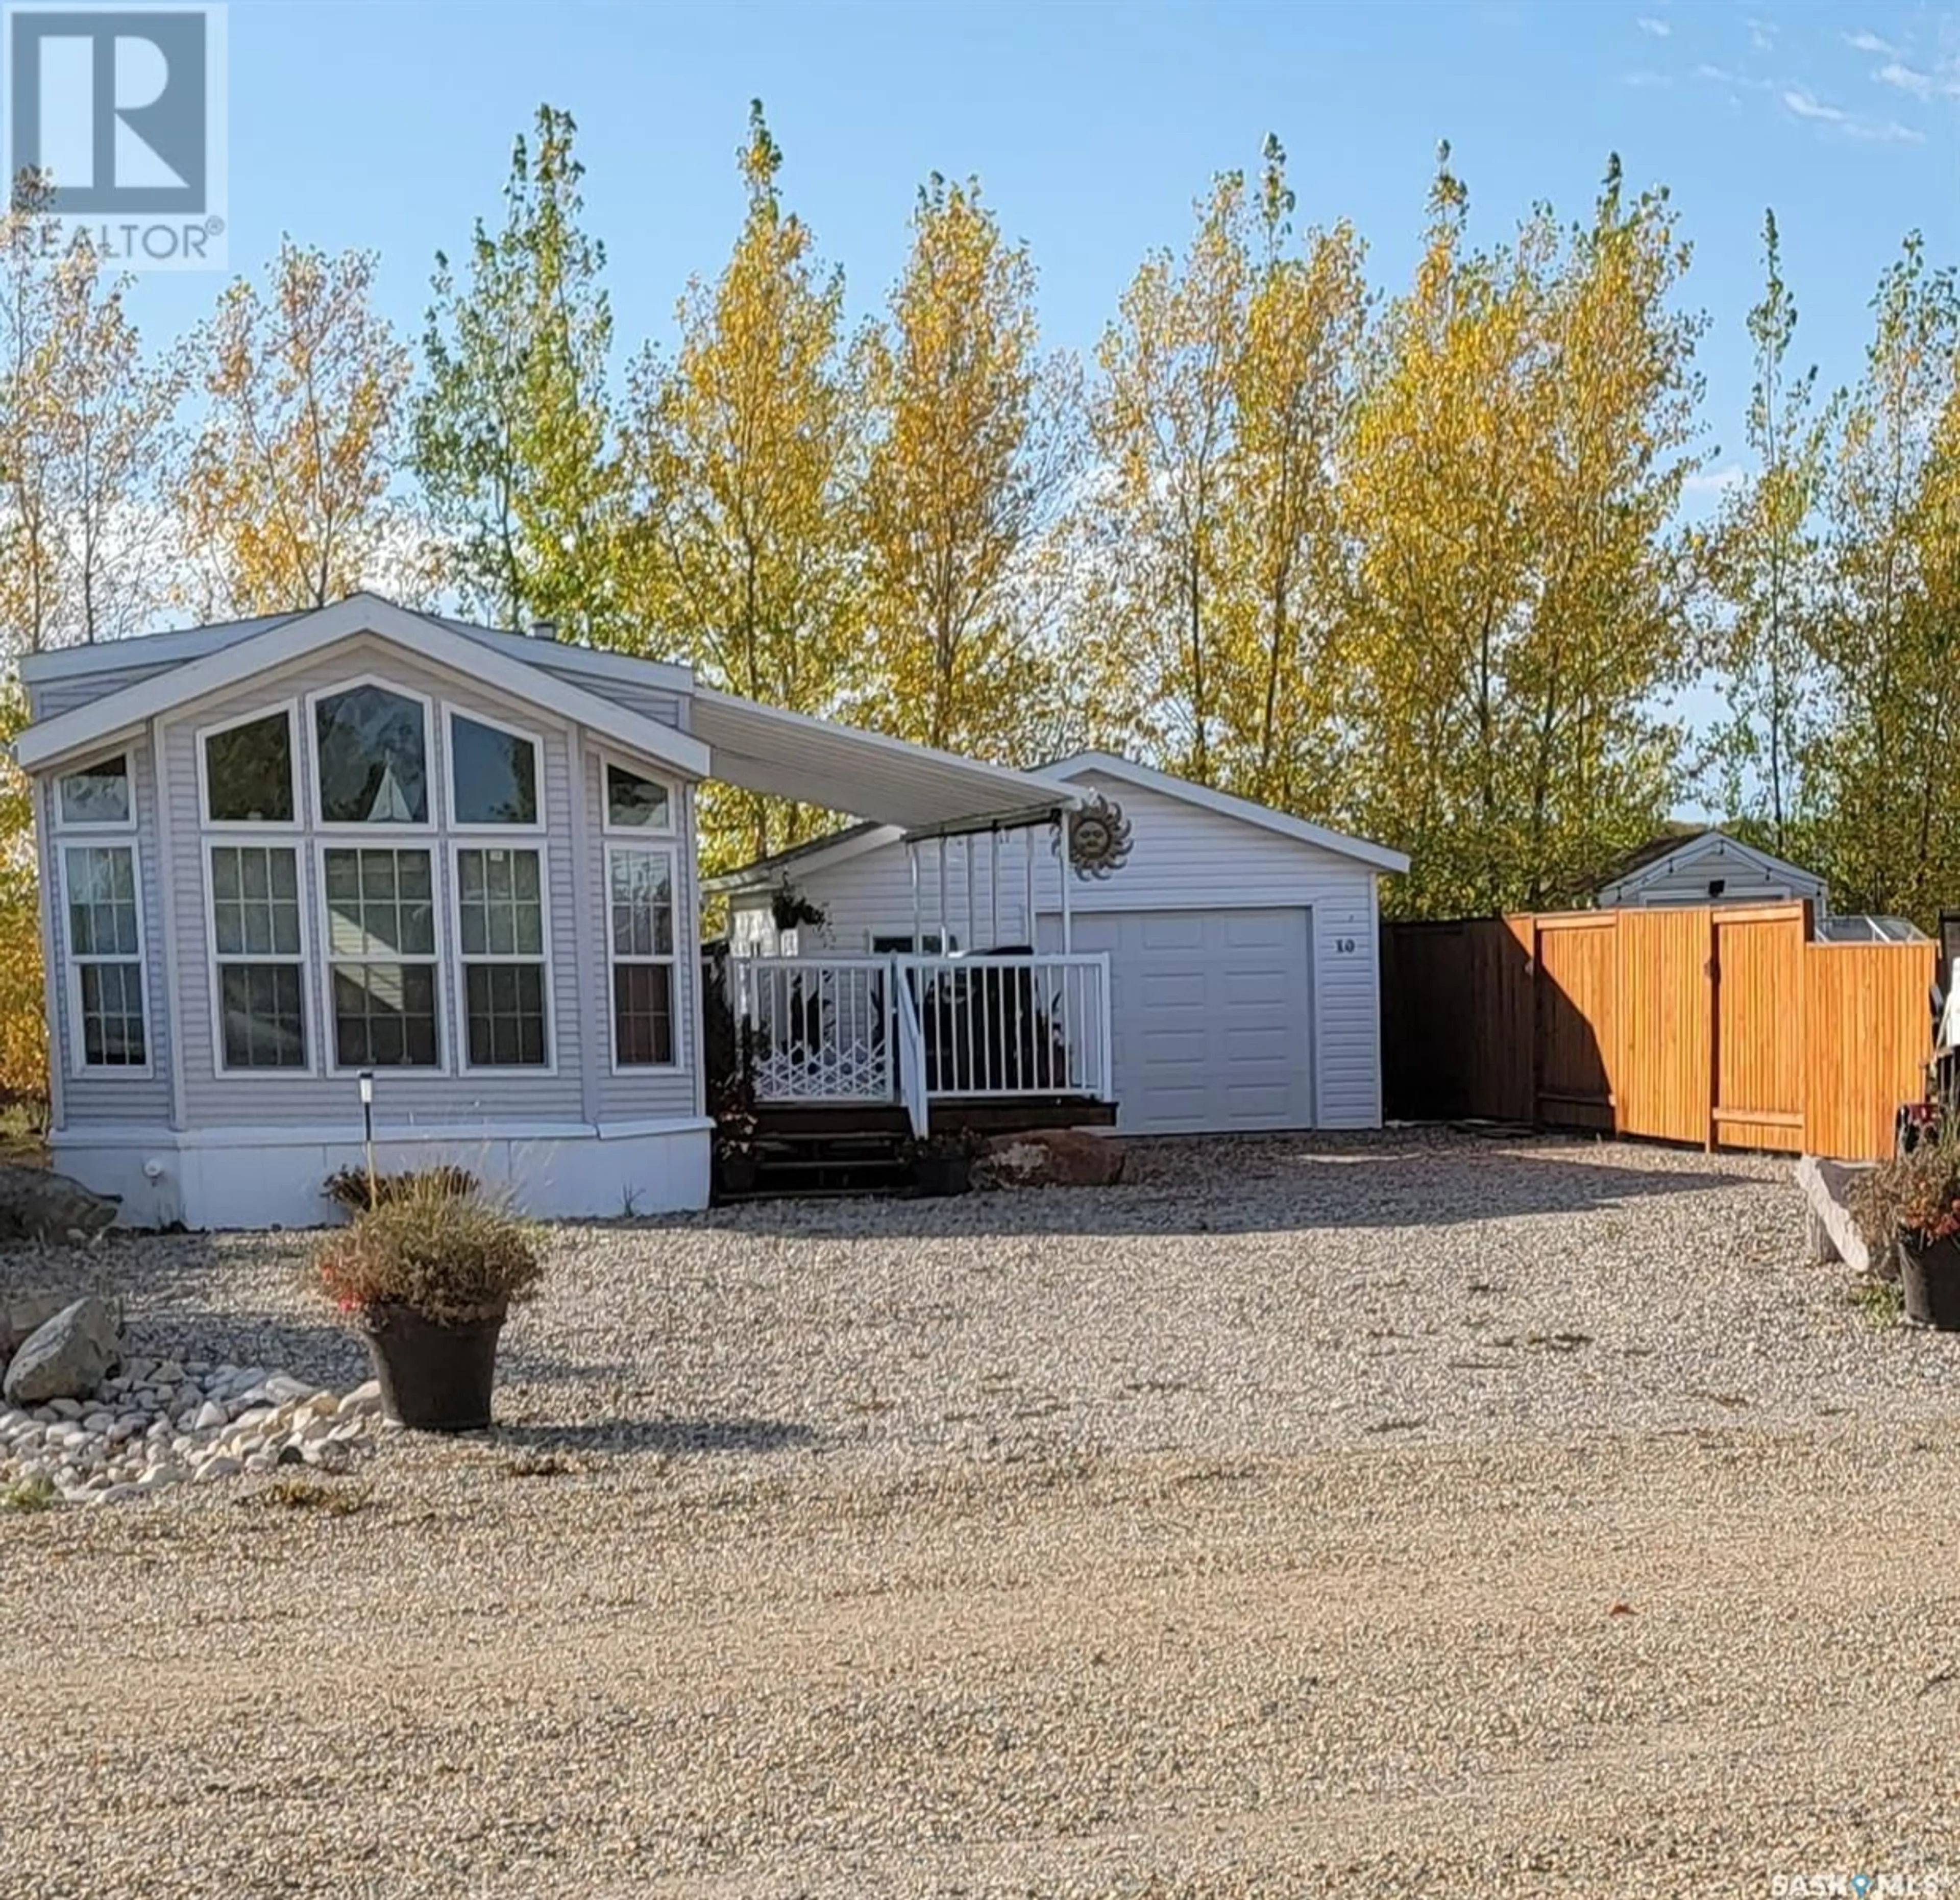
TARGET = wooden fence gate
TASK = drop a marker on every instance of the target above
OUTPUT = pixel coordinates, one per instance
(1722, 1026)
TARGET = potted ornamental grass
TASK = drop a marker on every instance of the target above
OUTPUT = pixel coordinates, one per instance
(1910, 1206)
(427, 1275)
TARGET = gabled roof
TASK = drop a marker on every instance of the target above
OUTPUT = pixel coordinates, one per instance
(840, 847)
(280, 641)
(762, 748)
(1661, 856)
(173, 645)
(1113, 765)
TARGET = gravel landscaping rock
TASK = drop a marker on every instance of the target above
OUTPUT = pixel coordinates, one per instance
(1410, 1514)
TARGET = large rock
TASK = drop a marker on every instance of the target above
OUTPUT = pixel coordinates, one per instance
(69, 1357)
(1056, 1158)
(36, 1204)
(1827, 1188)
(23, 1313)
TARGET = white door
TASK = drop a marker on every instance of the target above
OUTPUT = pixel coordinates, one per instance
(1211, 1016)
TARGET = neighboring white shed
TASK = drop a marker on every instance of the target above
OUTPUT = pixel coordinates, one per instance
(1243, 943)
(1707, 867)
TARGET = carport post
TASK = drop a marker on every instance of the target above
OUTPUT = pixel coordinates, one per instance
(1062, 866)
(911, 863)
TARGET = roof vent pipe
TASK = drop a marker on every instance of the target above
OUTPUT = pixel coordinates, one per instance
(544, 630)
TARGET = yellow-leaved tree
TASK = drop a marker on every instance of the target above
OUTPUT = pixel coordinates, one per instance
(23, 1023)
(972, 447)
(286, 501)
(1151, 531)
(1281, 698)
(1882, 765)
(1517, 457)
(741, 450)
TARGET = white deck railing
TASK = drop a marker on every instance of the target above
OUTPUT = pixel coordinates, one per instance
(914, 1029)
(822, 1028)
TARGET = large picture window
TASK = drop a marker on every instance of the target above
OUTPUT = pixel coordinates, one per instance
(372, 765)
(380, 925)
(493, 774)
(106, 956)
(641, 924)
(501, 948)
(248, 771)
(258, 947)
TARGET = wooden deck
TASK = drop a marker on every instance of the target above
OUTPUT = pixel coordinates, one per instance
(985, 1115)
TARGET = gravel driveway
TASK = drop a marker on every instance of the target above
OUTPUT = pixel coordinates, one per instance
(1415, 1513)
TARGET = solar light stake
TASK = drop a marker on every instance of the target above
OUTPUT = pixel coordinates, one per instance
(367, 1127)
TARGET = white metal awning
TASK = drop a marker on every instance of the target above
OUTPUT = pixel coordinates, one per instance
(843, 768)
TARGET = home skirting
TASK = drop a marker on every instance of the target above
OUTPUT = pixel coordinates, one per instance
(272, 1177)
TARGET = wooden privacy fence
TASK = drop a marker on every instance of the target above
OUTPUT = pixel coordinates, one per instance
(1724, 1026)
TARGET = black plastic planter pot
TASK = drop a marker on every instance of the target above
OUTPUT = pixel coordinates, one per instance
(1930, 1280)
(935, 1175)
(433, 1377)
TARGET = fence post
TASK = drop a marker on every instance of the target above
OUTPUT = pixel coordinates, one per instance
(1712, 1002)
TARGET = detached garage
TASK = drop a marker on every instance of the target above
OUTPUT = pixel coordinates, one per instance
(1242, 942)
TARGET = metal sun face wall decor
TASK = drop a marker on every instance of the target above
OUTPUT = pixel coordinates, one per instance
(1099, 839)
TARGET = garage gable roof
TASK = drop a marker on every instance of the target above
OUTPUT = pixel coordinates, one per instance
(1111, 764)
(72, 734)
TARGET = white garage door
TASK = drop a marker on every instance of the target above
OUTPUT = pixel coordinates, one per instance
(1211, 1013)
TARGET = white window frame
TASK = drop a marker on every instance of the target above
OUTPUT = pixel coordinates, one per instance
(671, 829)
(295, 763)
(259, 838)
(109, 828)
(451, 713)
(396, 838)
(104, 838)
(433, 765)
(509, 839)
(663, 847)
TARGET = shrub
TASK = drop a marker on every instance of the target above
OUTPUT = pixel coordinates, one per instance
(454, 1258)
(1917, 1194)
(349, 1186)
(24, 1494)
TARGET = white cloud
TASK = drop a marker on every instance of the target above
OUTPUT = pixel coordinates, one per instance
(1715, 481)
(1806, 105)
(1802, 103)
(1657, 29)
(1943, 81)
(1907, 78)
(1762, 35)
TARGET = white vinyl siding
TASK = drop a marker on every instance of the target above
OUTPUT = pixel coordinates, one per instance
(407, 1094)
(1683, 876)
(1183, 859)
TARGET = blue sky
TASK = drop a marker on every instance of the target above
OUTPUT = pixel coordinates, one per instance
(387, 125)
